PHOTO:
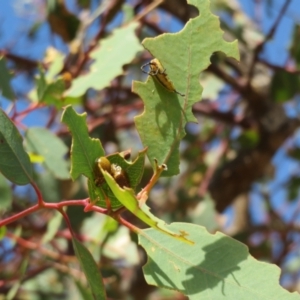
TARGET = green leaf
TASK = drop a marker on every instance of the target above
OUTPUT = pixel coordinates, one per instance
(128, 12)
(11, 294)
(53, 93)
(41, 84)
(204, 214)
(84, 292)
(5, 78)
(84, 3)
(50, 187)
(113, 52)
(96, 229)
(50, 89)
(90, 270)
(2, 232)
(52, 227)
(62, 21)
(212, 86)
(57, 63)
(284, 86)
(84, 149)
(294, 153)
(216, 267)
(6, 194)
(43, 142)
(295, 47)
(249, 139)
(141, 210)
(119, 246)
(14, 161)
(293, 186)
(184, 55)
(17, 233)
(84, 153)
(134, 171)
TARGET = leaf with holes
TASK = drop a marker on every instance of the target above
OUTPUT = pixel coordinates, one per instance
(85, 151)
(113, 52)
(216, 267)
(184, 55)
(127, 197)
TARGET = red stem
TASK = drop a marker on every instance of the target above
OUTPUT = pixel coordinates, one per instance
(41, 204)
(20, 215)
(128, 225)
(67, 221)
(40, 200)
(25, 112)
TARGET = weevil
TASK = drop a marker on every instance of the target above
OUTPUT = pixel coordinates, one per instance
(120, 176)
(116, 171)
(159, 72)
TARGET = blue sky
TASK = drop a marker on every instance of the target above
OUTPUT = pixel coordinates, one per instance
(276, 49)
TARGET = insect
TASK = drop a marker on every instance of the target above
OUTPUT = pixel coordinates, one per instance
(119, 175)
(114, 170)
(158, 72)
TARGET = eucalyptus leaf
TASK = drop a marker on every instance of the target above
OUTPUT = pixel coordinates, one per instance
(216, 267)
(113, 52)
(43, 142)
(127, 197)
(5, 77)
(6, 194)
(84, 149)
(90, 270)
(183, 55)
(84, 153)
(14, 161)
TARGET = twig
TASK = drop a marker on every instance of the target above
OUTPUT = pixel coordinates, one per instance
(211, 170)
(148, 9)
(260, 47)
(279, 68)
(227, 117)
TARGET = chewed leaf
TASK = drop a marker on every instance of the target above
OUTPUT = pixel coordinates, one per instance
(184, 55)
(113, 52)
(84, 149)
(142, 211)
(134, 170)
(216, 267)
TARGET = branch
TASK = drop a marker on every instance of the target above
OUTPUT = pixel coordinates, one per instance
(26, 63)
(279, 68)
(208, 110)
(271, 33)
